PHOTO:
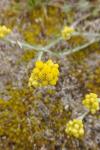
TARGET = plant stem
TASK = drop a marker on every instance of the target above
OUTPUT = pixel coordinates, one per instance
(68, 52)
(99, 100)
(40, 55)
(83, 116)
(80, 20)
(86, 34)
(53, 43)
(46, 48)
(26, 45)
(37, 48)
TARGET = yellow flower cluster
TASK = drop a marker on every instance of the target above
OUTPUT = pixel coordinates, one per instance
(4, 31)
(75, 128)
(91, 102)
(44, 73)
(66, 32)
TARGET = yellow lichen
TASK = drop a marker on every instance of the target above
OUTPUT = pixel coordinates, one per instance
(4, 31)
(74, 128)
(67, 32)
(44, 74)
(91, 102)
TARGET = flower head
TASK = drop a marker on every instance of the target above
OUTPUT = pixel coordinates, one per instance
(44, 73)
(91, 102)
(74, 128)
(4, 31)
(66, 32)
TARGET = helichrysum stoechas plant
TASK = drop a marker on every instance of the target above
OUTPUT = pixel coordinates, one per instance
(44, 73)
(4, 31)
(75, 128)
(91, 102)
(67, 31)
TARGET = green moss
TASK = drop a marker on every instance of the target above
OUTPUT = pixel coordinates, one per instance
(26, 117)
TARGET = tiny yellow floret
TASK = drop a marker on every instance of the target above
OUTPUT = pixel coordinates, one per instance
(75, 128)
(91, 102)
(4, 31)
(44, 74)
(66, 32)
